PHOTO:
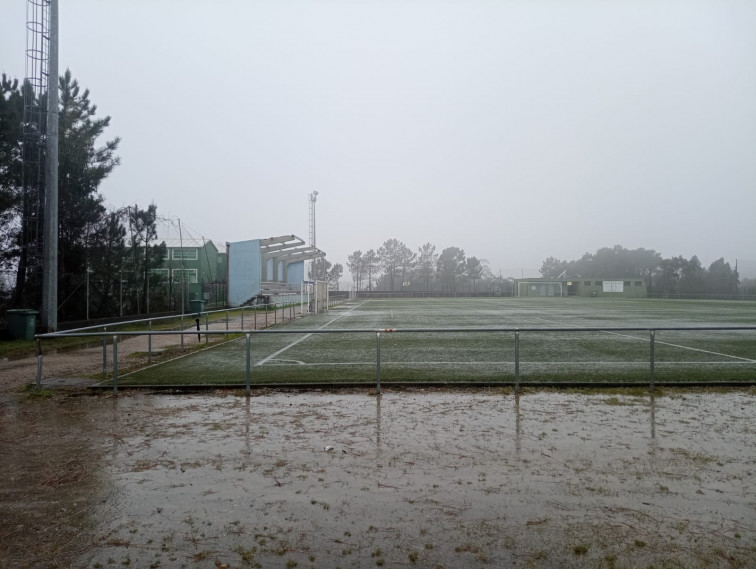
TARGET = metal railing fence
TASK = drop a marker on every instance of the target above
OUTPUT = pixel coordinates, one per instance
(266, 312)
(181, 318)
(263, 310)
(379, 333)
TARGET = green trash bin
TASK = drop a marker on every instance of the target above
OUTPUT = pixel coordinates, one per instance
(196, 306)
(22, 323)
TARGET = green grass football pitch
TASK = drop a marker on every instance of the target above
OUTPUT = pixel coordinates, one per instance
(468, 356)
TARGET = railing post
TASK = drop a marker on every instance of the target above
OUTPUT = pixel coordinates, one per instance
(652, 358)
(182, 332)
(242, 318)
(254, 314)
(115, 365)
(517, 361)
(104, 352)
(149, 341)
(247, 376)
(227, 324)
(378, 362)
(39, 363)
(266, 315)
(207, 326)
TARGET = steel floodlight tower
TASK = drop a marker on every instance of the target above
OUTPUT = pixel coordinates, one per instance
(50, 235)
(314, 263)
(313, 199)
(39, 242)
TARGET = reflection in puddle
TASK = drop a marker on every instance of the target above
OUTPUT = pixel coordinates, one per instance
(652, 407)
(518, 425)
(378, 423)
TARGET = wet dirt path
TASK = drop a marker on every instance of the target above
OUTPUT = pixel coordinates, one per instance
(409, 479)
(73, 366)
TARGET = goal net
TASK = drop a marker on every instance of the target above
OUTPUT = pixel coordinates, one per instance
(540, 288)
(317, 296)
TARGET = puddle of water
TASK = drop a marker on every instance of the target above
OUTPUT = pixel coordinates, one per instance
(428, 478)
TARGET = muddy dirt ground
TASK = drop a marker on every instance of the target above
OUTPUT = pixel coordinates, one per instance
(416, 478)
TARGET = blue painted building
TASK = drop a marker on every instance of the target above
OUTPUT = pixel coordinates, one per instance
(271, 267)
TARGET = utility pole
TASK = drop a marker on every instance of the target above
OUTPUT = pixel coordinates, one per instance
(50, 235)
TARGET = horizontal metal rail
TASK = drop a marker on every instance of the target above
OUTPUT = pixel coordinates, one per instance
(399, 330)
(179, 317)
(378, 332)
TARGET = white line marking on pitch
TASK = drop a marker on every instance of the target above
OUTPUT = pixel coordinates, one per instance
(660, 342)
(527, 363)
(295, 342)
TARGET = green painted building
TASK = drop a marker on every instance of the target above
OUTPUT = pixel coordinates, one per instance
(193, 269)
(593, 287)
(624, 288)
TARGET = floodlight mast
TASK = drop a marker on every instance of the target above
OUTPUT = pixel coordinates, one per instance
(39, 231)
(50, 234)
(314, 263)
(313, 199)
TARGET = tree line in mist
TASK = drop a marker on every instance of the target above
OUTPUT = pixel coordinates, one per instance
(674, 276)
(395, 267)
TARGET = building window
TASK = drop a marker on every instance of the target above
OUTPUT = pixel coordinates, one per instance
(599, 283)
(189, 274)
(587, 283)
(638, 283)
(162, 274)
(185, 254)
(627, 283)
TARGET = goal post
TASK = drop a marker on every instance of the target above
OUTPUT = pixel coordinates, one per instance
(540, 288)
(317, 296)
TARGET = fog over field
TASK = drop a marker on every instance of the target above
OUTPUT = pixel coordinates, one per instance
(512, 130)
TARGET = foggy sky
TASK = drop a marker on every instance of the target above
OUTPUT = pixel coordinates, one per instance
(515, 130)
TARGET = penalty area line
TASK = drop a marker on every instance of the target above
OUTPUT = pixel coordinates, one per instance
(409, 364)
(660, 342)
(295, 342)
